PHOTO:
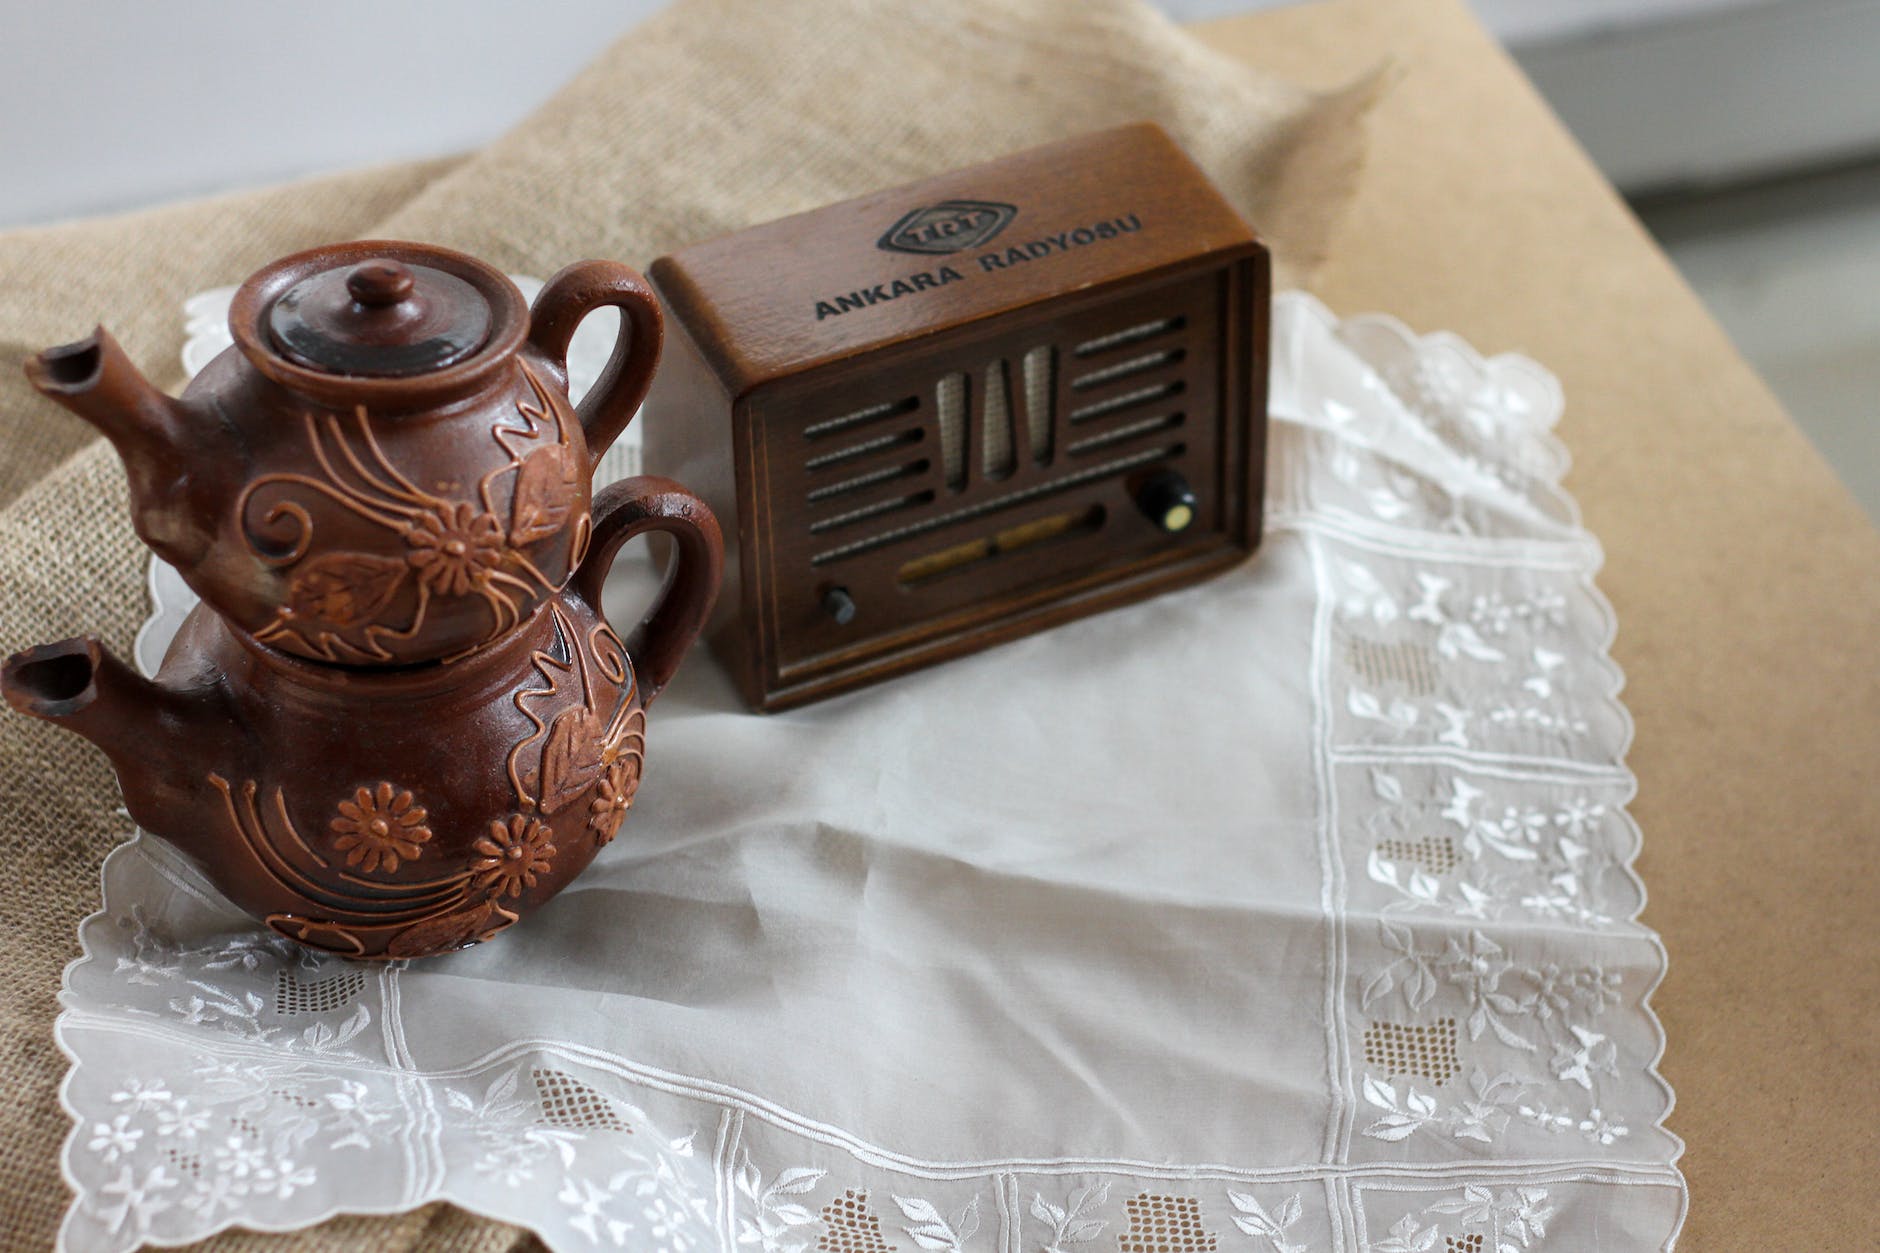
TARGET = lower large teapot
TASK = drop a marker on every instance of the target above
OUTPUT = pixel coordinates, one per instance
(395, 813)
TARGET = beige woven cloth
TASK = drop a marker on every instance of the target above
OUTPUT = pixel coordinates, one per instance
(712, 116)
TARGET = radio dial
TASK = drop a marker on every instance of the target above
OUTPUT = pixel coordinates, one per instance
(1167, 500)
(838, 604)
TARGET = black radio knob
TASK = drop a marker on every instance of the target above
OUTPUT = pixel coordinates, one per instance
(838, 604)
(1166, 500)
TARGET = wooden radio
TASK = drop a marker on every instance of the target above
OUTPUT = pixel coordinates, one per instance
(942, 416)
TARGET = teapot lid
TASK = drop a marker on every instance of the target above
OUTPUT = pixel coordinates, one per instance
(380, 318)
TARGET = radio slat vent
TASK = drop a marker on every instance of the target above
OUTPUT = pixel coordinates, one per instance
(1124, 369)
(1123, 434)
(884, 475)
(863, 512)
(1129, 335)
(872, 413)
(855, 451)
(1128, 400)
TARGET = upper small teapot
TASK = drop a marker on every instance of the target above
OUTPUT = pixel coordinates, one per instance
(385, 468)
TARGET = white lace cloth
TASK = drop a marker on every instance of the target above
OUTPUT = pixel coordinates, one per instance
(1290, 912)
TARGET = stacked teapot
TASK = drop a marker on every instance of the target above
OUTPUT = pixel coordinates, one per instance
(398, 720)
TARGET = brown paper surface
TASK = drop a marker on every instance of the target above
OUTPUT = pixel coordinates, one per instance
(1745, 580)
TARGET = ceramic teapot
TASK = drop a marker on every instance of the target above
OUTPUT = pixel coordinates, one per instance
(398, 812)
(385, 468)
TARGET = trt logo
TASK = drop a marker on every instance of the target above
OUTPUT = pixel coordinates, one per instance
(948, 226)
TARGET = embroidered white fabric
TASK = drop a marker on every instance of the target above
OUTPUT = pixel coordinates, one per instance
(1294, 911)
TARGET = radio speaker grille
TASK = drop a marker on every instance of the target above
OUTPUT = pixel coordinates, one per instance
(1048, 419)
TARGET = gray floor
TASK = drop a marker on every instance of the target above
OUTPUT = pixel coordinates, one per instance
(1792, 271)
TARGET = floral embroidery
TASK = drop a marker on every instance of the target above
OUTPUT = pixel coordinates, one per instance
(513, 1141)
(1494, 637)
(141, 1096)
(929, 1228)
(454, 547)
(513, 855)
(1528, 860)
(1075, 1221)
(1507, 1221)
(1272, 1227)
(653, 1195)
(115, 1138)
(378, 829)
(136, 1201)
(1543, 1014)
(779, 1212)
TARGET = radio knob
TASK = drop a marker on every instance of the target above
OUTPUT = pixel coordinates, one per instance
(838, 604)
(1167, 500)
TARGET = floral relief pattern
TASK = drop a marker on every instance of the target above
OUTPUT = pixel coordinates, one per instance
(336, 601)
(588, 734)
(583, 753)
(613, 796)
(377, 829)
(513, 855)
(454, 548)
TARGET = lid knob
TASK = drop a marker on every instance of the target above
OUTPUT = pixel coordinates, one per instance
(377, 284)
(380, 318)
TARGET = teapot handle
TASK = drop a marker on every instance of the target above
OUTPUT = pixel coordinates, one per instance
(628, 508)
(576, 291)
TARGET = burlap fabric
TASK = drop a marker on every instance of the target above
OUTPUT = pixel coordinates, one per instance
(712, 116)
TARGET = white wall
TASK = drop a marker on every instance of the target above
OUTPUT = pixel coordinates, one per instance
(116, 103)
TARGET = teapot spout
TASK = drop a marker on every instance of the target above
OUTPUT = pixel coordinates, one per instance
(78, 685)
(95, 379)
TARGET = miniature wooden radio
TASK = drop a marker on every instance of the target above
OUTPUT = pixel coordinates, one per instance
(943, 416)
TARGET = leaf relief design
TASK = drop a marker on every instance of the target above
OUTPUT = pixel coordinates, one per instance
(547, 486)
(565, 756)
(448, 932)
(571, 758)
(344, 589)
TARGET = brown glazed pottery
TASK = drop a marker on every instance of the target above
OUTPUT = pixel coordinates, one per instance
(385, 468)
(389, 812)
